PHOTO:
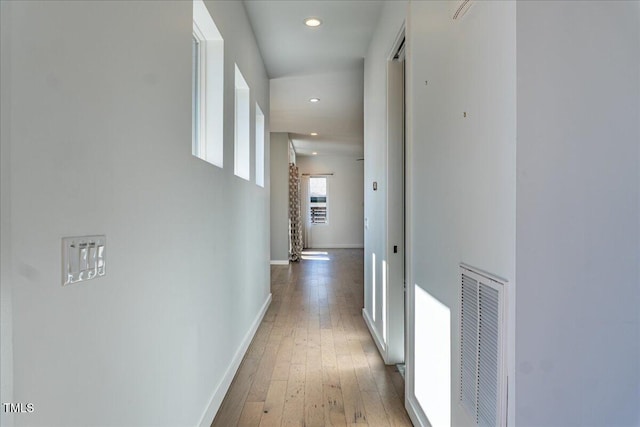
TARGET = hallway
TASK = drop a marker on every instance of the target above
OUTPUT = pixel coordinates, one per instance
(312, 361)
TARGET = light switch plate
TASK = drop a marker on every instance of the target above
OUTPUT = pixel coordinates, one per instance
(83, 258)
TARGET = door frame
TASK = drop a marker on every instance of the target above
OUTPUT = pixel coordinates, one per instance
(395, 252)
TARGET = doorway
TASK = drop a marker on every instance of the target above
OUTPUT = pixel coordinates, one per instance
(394, 327)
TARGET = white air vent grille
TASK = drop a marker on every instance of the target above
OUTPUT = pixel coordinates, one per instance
(482, 371)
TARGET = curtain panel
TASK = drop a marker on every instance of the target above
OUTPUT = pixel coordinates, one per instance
(296, 243)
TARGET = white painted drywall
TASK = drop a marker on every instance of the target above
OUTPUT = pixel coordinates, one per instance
(344, 201)
(462, 170)
(6, 312)
(376, 162)
(279, 196)
(100, 142)
(578, 248)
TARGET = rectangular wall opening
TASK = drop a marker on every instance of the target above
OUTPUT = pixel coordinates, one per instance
(242, 151)
(260, 129)
(207, 87)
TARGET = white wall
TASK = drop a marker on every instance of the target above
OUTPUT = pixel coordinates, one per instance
(576, 176)
(578, 326)
(461, 173)
(376, 162)
(100, 142)
(6, 314)
(279, 197)
(344, 201)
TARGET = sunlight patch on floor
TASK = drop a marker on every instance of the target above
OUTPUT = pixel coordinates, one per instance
(315, 256)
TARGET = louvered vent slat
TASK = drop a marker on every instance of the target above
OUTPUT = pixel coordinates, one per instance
(469, 343)
(487, 328)
(481, 381)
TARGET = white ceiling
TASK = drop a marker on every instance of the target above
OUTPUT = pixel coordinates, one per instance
(324, 62)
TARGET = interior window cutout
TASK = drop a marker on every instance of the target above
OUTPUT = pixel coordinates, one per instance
(260, 132)
(242, 158)
(207, 87)
(195, 96)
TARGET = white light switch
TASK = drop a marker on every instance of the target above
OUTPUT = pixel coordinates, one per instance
(83, 258)
(92, 262)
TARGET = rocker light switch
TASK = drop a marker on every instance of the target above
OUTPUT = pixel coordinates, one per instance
(83, 258)
(100, 259)
(92, 262)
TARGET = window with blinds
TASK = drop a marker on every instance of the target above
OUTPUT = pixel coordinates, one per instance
(318, 200)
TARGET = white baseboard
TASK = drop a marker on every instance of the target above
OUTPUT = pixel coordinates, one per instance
(415, 412)
(221, 390)
(279, 262)
(382, 348)
(338, 246)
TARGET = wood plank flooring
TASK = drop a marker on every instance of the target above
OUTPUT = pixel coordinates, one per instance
(312, 361)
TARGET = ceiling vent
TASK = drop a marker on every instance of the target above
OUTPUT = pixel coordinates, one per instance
(483, 382)
(461, 7)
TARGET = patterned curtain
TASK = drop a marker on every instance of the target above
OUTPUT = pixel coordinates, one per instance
(295, 231)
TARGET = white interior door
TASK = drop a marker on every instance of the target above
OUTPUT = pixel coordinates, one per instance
(394, 312)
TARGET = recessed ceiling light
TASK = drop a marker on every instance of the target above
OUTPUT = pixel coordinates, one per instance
(314, 153)
(312, 22)
(314, 133)
(314, 100)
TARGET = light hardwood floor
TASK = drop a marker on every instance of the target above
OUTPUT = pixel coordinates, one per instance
(312, 361)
